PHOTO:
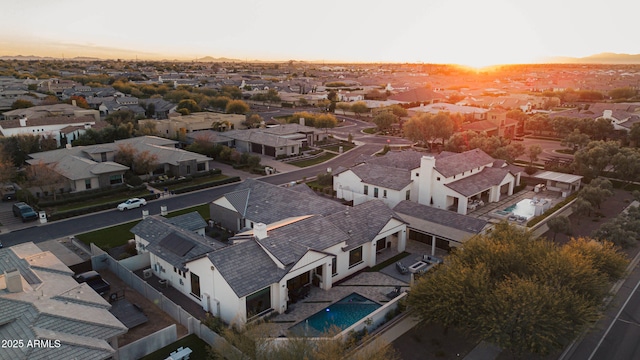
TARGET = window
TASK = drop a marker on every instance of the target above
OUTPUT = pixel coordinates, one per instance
(87, 184)
(202, 166)
(115, 179)
(375, 192)
(195, 285)
(188, 169)
(417, 174)
(438, 178)
(258, 302)
(334, 266)
(384, 193)
(355, 257)
(407, 195)
(366, 189)
(103, 157)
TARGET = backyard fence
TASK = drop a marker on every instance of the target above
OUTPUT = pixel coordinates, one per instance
(101, 260)
(148, 344)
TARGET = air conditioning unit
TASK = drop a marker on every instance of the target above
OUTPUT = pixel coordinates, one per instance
(146, 273)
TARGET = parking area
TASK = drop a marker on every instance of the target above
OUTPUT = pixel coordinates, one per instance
(8, 221)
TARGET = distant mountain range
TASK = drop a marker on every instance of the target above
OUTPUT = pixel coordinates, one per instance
(602, 58)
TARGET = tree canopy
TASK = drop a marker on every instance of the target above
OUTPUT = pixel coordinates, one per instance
(428, 128)
(523, 294)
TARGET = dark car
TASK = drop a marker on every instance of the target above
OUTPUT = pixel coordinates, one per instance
(8, 193)
(95, 281)
(24, 211)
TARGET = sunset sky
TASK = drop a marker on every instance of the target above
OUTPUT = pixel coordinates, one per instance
(468, 32)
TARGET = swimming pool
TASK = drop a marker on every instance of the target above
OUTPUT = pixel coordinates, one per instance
(340, 314)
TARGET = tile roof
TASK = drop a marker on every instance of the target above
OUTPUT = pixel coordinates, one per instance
(55, 308)
(246, 267)
(290, 242)
(440, 216)
(268, 203)
(453, 164)
(191, 221)
(383, 176)
(478, 182)
(50, 120)
(162, 235)
(77, 168)
(363, 222)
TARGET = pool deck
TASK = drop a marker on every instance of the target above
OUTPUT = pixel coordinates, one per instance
(372, 285)
(484, 212)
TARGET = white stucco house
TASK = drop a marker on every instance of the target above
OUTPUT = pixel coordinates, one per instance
(287, 241)
(450, 181)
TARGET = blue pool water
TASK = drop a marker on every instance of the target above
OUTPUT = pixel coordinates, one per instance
(341, 314)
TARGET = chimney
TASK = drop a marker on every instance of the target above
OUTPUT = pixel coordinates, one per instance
(302, 121)
(260, 231)
(13, 280)
(23, 122)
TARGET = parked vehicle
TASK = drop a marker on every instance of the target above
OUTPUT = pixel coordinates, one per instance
(8, 193)
(24, 211)
(95, 281)
(132, 204)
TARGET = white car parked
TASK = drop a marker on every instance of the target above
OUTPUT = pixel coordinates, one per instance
(132, 204)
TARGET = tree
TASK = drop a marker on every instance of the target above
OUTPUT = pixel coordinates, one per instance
(384, 120)
(359, 107)
(591, 160)
(48, 143)
(575, 140)
(559, 224)
(21, 104)
(253, 121)
(148, 128)
(190, 105)
(622, 93)
(46, 177)
(237, 107)
(145, 162)
(80, 102)
(325, 121)
(125, 155)
(634, 135)
(427, 128)
(533, 152)
(523, 295)
(7, 169)
(343, 106)
(596, 191)
(626, 164)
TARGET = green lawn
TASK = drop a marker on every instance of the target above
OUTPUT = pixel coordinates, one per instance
(370, 130)
(118, 235)
(194, 343)
(311, 162)
(196, 181)
(98, 201)
(109, 238)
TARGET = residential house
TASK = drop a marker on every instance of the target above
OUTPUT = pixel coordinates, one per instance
(287, 240)
(475, 112)
(276, 141)
(93, 166)
(448, 180)
(53, 316)
(161, 108)
(56, 127)
(437, 227)
(496, 124)
(418, 95)
(56, 110)
(176, 127)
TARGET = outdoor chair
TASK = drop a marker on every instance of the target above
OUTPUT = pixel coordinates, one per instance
(401, 268)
